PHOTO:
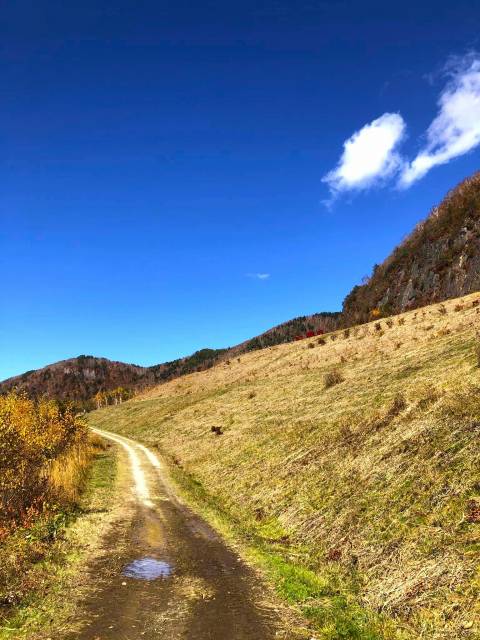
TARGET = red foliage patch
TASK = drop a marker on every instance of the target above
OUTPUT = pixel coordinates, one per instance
(473, 511)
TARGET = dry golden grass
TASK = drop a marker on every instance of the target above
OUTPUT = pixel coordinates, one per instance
(371, 480)
(66, 474)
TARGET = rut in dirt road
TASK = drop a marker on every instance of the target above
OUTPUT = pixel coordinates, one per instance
(173, 576)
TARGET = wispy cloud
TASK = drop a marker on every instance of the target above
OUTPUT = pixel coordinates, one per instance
(259, 276)
(369, 155)
(456, 129)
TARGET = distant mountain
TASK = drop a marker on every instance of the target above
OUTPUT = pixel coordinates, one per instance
(440, 259)
(80, 379)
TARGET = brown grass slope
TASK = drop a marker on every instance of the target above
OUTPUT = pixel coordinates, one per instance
(439, 260)
(371, 481)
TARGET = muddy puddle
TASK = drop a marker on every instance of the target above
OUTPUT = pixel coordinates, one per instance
(147, 569)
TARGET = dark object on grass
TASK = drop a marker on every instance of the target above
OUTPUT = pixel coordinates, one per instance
(217, 430)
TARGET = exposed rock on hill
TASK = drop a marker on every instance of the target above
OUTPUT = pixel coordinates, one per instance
(440, 259)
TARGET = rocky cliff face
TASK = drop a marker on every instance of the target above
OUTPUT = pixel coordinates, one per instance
(440, 259)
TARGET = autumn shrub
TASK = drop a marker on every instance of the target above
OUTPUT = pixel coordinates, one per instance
(427, 394)
(36, 440)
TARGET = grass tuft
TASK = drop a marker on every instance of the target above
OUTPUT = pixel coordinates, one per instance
(332, 378)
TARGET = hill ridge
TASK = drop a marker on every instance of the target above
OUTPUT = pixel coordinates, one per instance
(81, 378)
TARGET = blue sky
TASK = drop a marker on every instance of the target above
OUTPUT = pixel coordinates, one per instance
(158, 155)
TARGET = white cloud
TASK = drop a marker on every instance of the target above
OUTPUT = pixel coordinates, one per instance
(456, 129)
(368, 155)
(259, 276)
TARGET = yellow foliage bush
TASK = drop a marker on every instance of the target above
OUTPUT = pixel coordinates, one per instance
(39, 442)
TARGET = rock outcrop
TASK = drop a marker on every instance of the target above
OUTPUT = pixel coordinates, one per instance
(440, 259)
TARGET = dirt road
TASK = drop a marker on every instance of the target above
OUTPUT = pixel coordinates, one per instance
(169, 575)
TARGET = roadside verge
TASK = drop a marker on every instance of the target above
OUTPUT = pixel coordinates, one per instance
(59, 547)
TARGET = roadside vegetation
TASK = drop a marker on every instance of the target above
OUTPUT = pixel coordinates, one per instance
(46, 455)
(350, 468)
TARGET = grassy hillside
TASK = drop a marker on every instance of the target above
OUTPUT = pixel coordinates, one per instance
(351, 462)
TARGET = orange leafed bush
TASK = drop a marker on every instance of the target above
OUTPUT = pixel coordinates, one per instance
(34, 437)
